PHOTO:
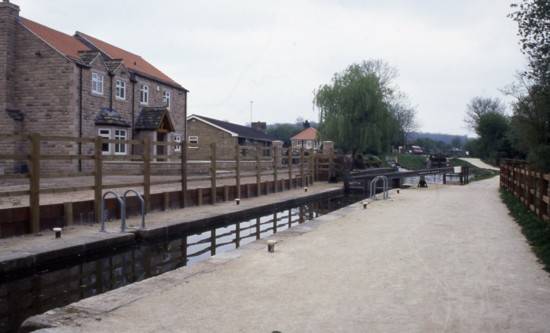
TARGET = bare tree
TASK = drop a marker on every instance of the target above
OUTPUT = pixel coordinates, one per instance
(480, 106)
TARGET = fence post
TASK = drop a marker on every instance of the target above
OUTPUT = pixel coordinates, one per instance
(258, 228)
(311, 168)
(213, 190)
(238, 235)
(274, 223)
(258, 172)
(238, 171)
(330, 165)
(275, 175)
(289, 168)
(184, 250)
(289, 218)
(213, 242)
(147, 173)
(34, 198)
(302, 174)
(547, 190)
(98, 178)
(183, 173)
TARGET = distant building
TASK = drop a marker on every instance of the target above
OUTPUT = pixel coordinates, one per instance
(203, 131)
(417, 150)
(57, 84)
(307, 139)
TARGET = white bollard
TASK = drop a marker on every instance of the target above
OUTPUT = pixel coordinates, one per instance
(271, 245)
(57, 232)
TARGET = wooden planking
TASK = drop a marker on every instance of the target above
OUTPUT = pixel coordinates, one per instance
(16, 176)
(529, 186)
(15, 157)
(68, 175)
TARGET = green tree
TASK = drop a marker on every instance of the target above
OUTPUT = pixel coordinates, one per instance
(487, 117)
(284, 132)
(358, 109)
(531, 118)
(479, 106)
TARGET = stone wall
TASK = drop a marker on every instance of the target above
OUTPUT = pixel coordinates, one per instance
(207, 134)
(8, 28)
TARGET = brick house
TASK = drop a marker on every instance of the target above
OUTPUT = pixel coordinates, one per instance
(203, 131)
(307, 139)
(76, 85)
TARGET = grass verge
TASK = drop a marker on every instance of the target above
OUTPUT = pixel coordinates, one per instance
(536, 231)
(412, 162)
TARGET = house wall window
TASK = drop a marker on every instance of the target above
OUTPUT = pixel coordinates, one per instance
(167, 98)
(177, 140)
(97, 83)
(194, 140)
(120, 148)
(144, 94)
(105, 146)
(120, 90)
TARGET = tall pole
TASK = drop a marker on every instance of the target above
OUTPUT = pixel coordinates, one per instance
(251, 107)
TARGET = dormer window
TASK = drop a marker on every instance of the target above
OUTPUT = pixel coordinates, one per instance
(144, 94)
(120, 90)
(97, 83)
(166, 98)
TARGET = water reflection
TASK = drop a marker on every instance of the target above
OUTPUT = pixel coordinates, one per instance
(36, 292)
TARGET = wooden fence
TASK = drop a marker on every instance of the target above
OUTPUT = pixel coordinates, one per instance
(531, 187)
(302, 168)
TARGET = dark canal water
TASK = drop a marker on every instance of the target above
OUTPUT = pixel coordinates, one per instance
(30, 293)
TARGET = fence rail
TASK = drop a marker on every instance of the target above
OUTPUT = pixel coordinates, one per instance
(302, 168)
(530, 186)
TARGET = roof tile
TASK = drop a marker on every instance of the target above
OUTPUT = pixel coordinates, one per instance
(66, 44)
(309, 133)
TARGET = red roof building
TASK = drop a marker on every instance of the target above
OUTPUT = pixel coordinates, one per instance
(307, 139)
(57, 84)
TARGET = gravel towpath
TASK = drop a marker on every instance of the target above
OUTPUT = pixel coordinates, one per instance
(443, 259)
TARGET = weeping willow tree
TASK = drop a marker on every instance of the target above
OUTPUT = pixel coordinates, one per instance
(359, 110)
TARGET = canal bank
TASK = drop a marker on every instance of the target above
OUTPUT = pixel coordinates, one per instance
(38, 273)
(443, 259)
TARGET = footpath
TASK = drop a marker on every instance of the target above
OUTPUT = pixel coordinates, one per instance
(443, 259)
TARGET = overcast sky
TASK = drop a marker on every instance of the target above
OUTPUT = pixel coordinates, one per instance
(275, 53)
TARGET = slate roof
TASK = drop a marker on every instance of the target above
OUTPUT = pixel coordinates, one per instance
(86, 57)
(78, 46)
(151, 118)
(110, 117)
(241, 131)
(307, 134)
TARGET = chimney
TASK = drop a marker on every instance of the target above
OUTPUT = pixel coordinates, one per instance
(259, 125)
(9, 14)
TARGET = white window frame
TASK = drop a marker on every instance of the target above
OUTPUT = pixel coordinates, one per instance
(121, 148)
(177, 146)
(98, 81)
(105, 135)
(144, 94)
(193, 140)
(167, 98)
(120, 86)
